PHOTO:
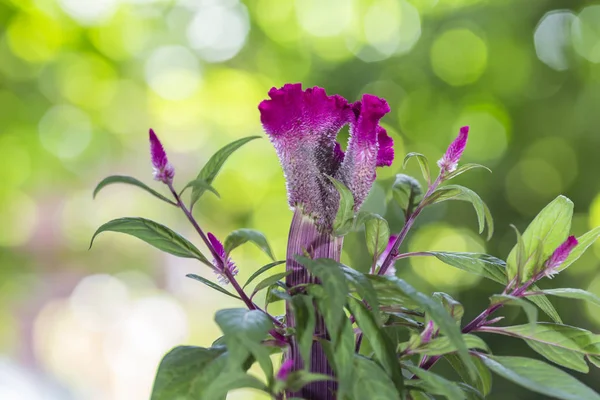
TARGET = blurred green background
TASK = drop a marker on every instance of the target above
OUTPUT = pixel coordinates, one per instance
(81, 81)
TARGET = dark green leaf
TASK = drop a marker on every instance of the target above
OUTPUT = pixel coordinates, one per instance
(442, 345)
(218, 388)
(465, 168)
(377, 233)
(268, 281)
(154, 234)
(298, 379)
(520, 255)
(365, 289)
(584, 241)
(568, 293)
(454, 308)
(241, 236)
(262, 270)
(529, 309)
(200, 184)
(345, 213)
(214, 164)
(406, 191)
(371, 382)
(482, 382)
(213, 285)
(305, 318)
(457, 192)
(595, 360)
(423, 164)
(130, 181)
(436, 384)
(540, 377)
(549, 229)
(340, 353)
(382, 347)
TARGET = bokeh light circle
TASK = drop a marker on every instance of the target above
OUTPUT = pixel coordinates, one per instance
(552, 39)
(89, 12)
(458, 57)
(173, 72)
(65, 131)
(586, 33)
(324, 18)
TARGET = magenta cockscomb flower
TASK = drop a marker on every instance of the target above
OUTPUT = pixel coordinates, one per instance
(303, 125)
(559, 256)
(227, 262)
(163, 170)
(449, 161)
(285, 369)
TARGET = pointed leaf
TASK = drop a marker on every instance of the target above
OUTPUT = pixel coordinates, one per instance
(442, 345)
(213, 285)
(482, 382)
(200, 184)
(371, 382)
(154, 234)
(568, 293)
(305, 319)
(364, 288)
(268, 281)
(377, 233)
(212, 167)
(262, 270)
(423, 164)
(465, 168)
(406, 191)
(540, 377)
(241, 236)
(479, 264)
(545, 305)
(435, 384)
(130, 181)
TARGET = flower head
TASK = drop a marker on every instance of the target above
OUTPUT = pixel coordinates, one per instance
(285, 369)
(303, 125)
(163, 170)
(559, 256)
(226, 261)
(449, 161)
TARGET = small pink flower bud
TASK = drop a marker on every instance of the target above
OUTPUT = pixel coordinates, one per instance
(163, 170)
(427, 333)
(286, 368)
(559, 256)
(226, 261)
(449, 161)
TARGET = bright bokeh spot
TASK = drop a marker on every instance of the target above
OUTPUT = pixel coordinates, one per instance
(489, 132)
(89, 12)
(35, 37)
(19, 212)
(552, 39)
(586, 33)
(459, 57)
(123, 36)
(218, 31)
(65, 131)
(558, 152)
(325, 18)
(443, 237)
(278, 20)
(173, 72)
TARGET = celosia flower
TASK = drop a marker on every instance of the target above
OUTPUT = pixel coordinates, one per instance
(163, 170)
(226, 261)
(559, 256)
(391, 271)
(427, 333)
(285, 369)
(449, 161)
(303, 125)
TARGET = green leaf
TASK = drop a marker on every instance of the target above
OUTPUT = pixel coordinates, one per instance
(340, 353)
(482, 382)
(540, 377)
(345, 213)
(549, 229)
(520, 255)
(268, 281)
(186, 371)
(566, 358)
(377, 233)
(210, 170)
(457, 192)
(213, 285)
(442, 345)
(200, 184)
(436, 384)
(382, 347)
(298, 379)
(241, 236)
(262, 270)
(529, 309)
(545, 305)
(305, 318)
(568, 293)
(479, 264)
(335, 289)
(595, 360)
(154, 234)
(454, 308)
(406, 191)
(463, 169)
(583, 242)
(365, 289)
(439, 315)
(226, 382)
(371, 382)
(130, 181)
(423, 164)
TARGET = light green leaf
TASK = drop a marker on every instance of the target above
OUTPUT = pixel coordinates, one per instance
(479, 264)
(529, 309)
(549, 229)
(568, 293)
(371, 382)
(305, 318)
(454, 308)
(540, 377)
(344, 216)
(442, 345)
(201, 184)
(406, 191)
(213, 285)
(261, 271)
(482, 382)
(241, 236)
(435, 384)
(560, 356)
(423, 164)
(465, 168)
(130, 181)
(377, 233)
(583, 242)
(457, 192)
(545, 305)
(218, 388)
(154, 234)
(209, 172)
(268, 281)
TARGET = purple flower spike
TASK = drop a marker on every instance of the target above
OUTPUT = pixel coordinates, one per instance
(163, 170)
(303, 125)
(559, 256)
(427, 333)
(286, 368)
(449, 161)
(228, 263)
